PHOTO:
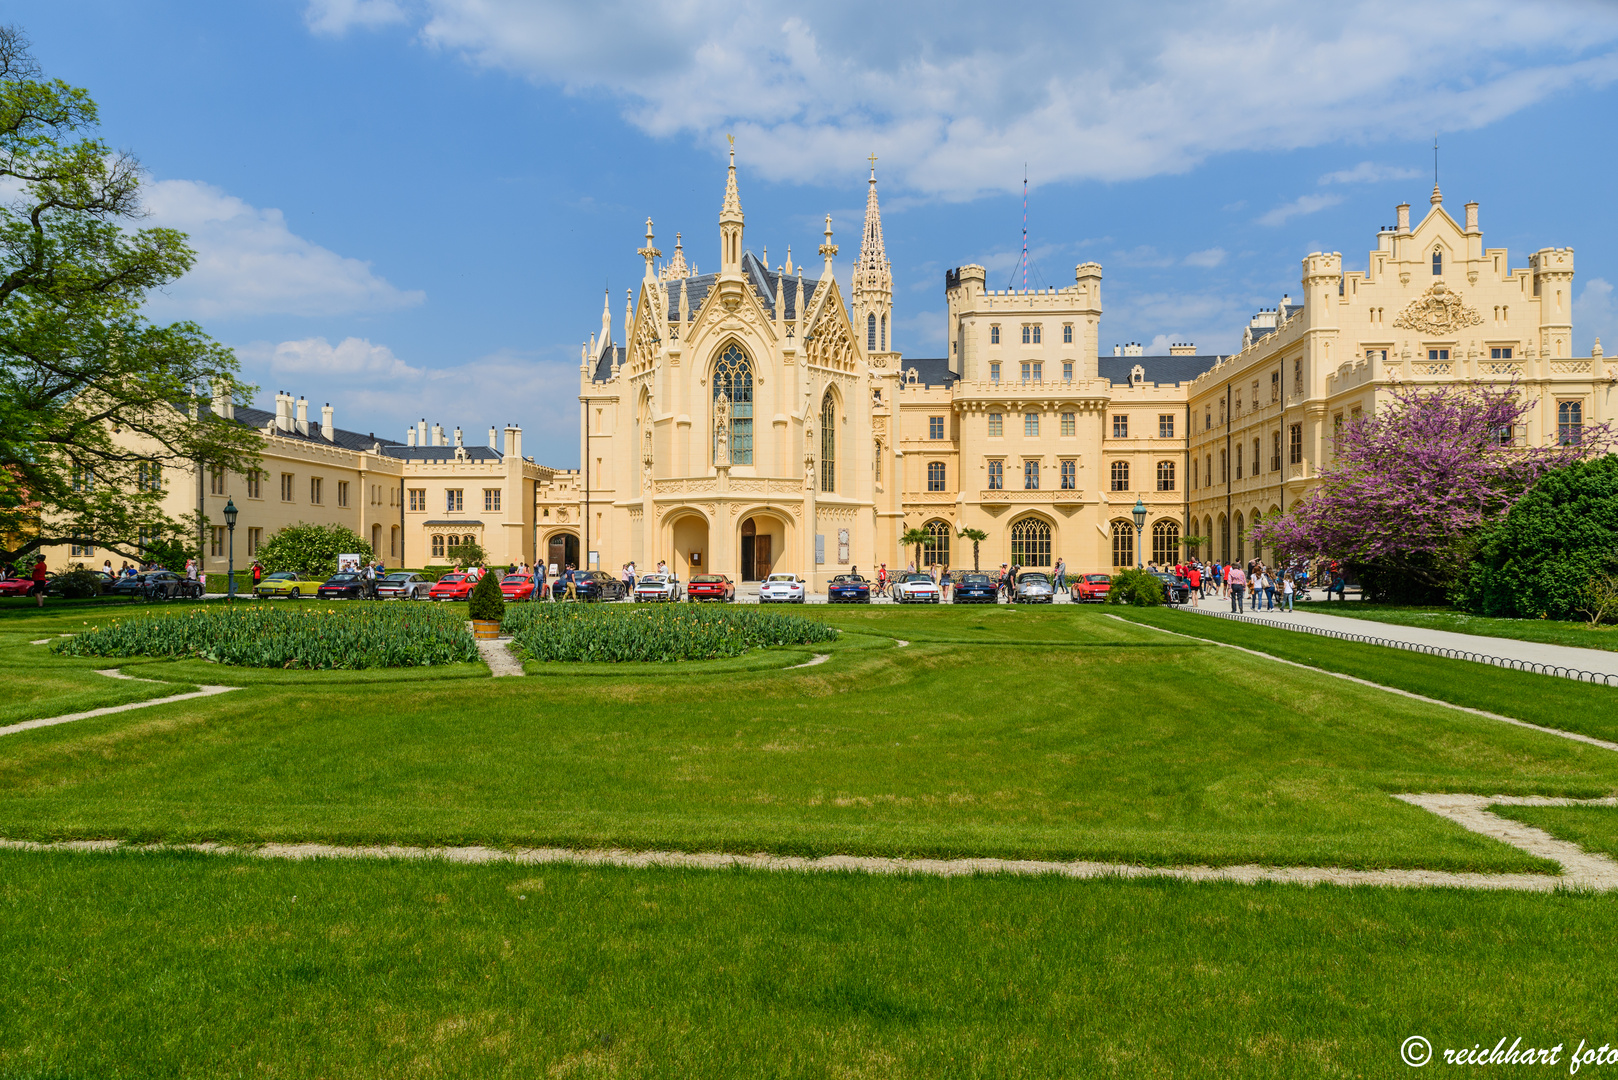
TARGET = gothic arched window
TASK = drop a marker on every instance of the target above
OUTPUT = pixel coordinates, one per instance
(935, 552)
(1123, 544)
(1438, 262)
(1166, 543)
(828, 442)
(1031, 543)
(733, 379)
(870, 333)
(884, 333)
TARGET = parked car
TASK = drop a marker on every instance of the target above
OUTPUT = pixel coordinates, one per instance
(711, 587)
(287, 583)
(1034, 587)
(591, 585)
(346, 585)
(848, 589)
(1090, 588)
(452, 587)
(518, 586)
(781, 589)
(970, 588)
(915, 589)
(79, 583)
(17, 586)
(1176, 590)
(652, 587)
(157, 585)
(403, 585)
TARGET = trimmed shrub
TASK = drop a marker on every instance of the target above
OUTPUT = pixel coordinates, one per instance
(659, 634)
(487, 601)
(288, 636)
(1136, 588)
(1538, 562)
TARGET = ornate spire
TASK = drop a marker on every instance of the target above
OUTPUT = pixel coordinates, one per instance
(606, 320)
(872, 254)
(675, 267)
(730, 223)
(872, 295)
(828, 250)
(733, 201)
(649, 252)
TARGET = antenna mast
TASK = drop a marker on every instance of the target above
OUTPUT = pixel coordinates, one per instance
(1025, 226)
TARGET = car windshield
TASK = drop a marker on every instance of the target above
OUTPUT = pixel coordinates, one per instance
(453, 577)
(976, 579)
(919, 579)
(787, 578)
(1033, 579)
(342, 577)
(397, 577)
(653, 579)
(1097, 579)
(714, 579)
(272, 577)
(848, 579)
(520, 579)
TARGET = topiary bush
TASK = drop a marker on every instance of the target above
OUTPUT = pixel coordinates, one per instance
(1136, 588)
(487, 601)
(1539, 560)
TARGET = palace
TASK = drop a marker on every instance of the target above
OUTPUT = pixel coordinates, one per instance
(752, 420)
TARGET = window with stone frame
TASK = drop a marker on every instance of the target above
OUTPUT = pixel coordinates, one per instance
(1120, 426)
(935, 476)
(1069, 424)
(1123, 544)
(1070, 474)
(995, 425)
(1030, 475)
(1295, 444)
(1119, 472)
(1569, 423)
(997, 475)
(1165, 476)
(1275, 451)
(1165, 425)
(1031, 543)
(1030, 425)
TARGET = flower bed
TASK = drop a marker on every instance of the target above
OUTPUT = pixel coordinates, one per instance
(288, 636)
(658, 634)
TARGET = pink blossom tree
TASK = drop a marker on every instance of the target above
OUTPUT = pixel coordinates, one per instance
(1412, 483)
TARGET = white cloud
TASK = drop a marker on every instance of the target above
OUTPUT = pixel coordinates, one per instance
(953, 111)
(339, 16)
(1367, 172)
(349, 358)
(1595, 315)
(250, 263)
(1303, 204)
(1207, 259)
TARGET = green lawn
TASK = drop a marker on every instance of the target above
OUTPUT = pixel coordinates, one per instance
(1594, 828)
(1579, 634)
(1119, 743)
(135, 966)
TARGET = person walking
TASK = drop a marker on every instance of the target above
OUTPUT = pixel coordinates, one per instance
(1237, 582)
(1061, 574)
(1194, 576)
(1263, 591)
(572, 586)
(41, 577)
(1286, 591)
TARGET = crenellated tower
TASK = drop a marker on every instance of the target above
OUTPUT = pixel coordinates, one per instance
(872, 297)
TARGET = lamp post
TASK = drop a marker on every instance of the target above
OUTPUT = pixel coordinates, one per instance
(230, 563)
(1140, 525)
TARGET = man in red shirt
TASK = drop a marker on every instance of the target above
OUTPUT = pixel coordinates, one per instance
(40, 577)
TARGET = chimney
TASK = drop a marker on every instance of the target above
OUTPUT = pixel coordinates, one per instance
(421, 432)
(438, 434)
(1403, 210)
(221, 399)
(325, 422)
(458, 441)
(410, 436)
(1471, 217)
(1184, 348)
(513, 443)
(303, 416)
(283, 411)
(493, 445)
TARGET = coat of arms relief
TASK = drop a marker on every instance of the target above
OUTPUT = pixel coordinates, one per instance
(1439, 311)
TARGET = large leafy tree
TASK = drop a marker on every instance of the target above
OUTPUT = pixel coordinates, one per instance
(311, 549)
(97, 403)
(1412, 484)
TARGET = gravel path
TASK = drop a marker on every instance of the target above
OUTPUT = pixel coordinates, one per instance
(497, 654)
(29, 725)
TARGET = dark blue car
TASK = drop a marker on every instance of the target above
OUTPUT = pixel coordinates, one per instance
(848, 589)
(975, 589)
(590, 585)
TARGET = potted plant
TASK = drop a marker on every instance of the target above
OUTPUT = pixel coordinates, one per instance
(488, 607)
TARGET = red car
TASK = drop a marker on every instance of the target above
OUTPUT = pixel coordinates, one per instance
(711, 587)
(517, 586)
(452, 587)
(20, 586)
(1090, 588)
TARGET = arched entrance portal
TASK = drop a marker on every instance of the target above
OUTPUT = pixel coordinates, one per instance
(561, 551)
(763, 546)
(688, 539)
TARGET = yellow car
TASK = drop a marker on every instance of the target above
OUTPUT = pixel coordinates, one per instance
(287, 583)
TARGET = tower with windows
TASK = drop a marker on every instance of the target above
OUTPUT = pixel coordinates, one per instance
(872, 298)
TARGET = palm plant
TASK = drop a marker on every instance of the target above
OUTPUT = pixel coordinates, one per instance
(976, 536)
(919, 537)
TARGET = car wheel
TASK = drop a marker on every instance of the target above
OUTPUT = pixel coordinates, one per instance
(295, 594)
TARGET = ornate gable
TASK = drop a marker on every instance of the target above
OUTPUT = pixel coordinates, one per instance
(830, 341)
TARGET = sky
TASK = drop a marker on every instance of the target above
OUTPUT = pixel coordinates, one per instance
(413, 208)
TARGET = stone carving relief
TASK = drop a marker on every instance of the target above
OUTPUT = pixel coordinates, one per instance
(1438, 311)
(829, 342)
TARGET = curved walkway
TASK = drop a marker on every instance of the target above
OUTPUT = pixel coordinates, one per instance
(1598, 661)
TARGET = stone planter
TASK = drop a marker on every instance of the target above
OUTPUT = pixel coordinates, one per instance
(485, 629)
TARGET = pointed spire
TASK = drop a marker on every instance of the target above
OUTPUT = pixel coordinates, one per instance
(828, 250)
(873, 256)
(685, 304)
(606, 323)
(730, 223)
(1437, 196)
(629, 314)
(789, 258)
(649, 252)
(797, 304)
(675, 267)
(733, 201)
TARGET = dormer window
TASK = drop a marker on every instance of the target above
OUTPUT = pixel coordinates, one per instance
(1438, 262)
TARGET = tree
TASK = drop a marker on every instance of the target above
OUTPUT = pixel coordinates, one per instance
(1542, 558)
(310, 549)
(1135, 587)
(78, 363)
(919, 538)
(467, 554)
(1412, 484)
(487, 601)
(977, 536)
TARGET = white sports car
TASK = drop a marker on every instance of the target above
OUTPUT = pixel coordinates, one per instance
(915, 589)
(657, 587)
(781, 589)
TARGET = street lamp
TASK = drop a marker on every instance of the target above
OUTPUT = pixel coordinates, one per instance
(230, 564)
(1140, 525)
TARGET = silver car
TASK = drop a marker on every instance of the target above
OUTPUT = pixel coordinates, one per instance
(402, 585)
(654, 587)
(1033, 588)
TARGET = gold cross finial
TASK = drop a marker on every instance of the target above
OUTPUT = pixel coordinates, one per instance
(873, 163)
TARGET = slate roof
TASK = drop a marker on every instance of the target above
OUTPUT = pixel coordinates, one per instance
(354, 440)
(930, 371)
(1163, 370)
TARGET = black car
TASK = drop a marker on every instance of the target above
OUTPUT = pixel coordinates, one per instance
(157, 585)
(591, 585)
(848, 589)
(346, 586)
(974, 589)
(1176, 590)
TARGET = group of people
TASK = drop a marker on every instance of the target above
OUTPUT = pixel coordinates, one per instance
(1257, 586)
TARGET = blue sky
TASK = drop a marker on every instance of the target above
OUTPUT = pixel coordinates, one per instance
(411, 207)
